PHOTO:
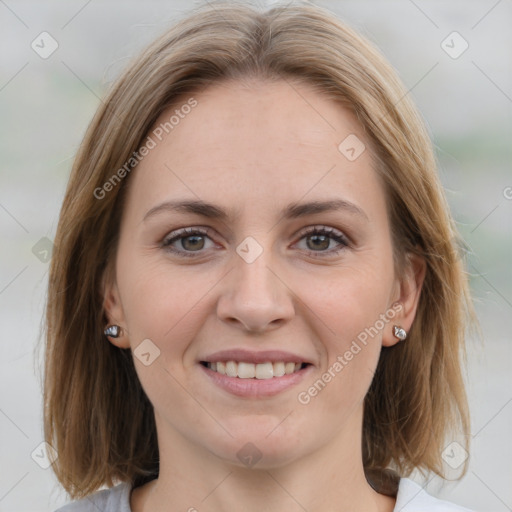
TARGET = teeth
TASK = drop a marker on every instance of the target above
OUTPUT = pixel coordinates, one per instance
(260, 371)
(289, 368)
(231, 369)
(279, 369)
(264, 370)
(221, 367)
(246, 371)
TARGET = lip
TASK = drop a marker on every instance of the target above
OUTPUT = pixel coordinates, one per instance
(254, 388)
(250, 356)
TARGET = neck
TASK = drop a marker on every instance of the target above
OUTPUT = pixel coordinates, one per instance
(193, 479)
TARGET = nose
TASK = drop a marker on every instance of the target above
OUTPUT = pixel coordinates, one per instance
(255, 297)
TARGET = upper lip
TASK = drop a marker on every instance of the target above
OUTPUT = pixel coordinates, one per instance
(249, 356)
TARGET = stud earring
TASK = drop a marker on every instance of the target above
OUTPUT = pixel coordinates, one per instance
(113, 331)
(399, 333)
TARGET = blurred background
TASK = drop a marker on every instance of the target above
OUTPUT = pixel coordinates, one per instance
(58, 59)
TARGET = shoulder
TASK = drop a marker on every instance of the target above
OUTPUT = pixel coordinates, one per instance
(412, 497)
(115, 499)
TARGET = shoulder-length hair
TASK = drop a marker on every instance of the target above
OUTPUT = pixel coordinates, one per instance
(96, 414)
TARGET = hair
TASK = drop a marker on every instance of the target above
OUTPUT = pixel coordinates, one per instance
(96, 414)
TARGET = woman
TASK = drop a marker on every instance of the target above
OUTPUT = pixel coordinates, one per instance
(255, 299)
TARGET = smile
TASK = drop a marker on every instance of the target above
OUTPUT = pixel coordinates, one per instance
(261, 371)
(255, 380)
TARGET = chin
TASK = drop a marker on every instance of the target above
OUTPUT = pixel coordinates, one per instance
(260, 448)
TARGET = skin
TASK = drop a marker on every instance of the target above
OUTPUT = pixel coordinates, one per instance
(257, 146)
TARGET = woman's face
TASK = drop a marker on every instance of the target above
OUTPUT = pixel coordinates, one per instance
(250, 281)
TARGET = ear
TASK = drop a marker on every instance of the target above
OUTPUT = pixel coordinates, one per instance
(407, 296)
(113, 309)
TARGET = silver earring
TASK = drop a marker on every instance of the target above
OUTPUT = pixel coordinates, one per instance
(113, 331)
(399, 332)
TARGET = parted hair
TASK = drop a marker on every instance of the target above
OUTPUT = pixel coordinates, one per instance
(96, 414)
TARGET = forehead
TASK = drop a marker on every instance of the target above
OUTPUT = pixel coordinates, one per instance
(277, 141)
(260, 117)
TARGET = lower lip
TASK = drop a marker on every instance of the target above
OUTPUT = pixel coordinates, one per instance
(256, 387)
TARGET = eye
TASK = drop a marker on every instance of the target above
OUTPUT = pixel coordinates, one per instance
(192, 240)
(320, 238)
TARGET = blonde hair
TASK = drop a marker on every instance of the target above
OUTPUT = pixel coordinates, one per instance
(96, 413)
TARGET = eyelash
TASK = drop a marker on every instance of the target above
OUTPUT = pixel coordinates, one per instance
(322, 230)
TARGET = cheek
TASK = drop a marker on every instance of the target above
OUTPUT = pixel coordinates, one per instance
(351, 308)
(350, 299)
(162, 302)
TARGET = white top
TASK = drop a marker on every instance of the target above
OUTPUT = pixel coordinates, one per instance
(411, 497)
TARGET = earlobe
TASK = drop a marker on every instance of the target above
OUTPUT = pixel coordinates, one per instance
(410, 286)
(399, 333)
(114, 330)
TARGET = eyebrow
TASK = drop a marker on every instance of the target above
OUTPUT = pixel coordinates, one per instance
(291, 211)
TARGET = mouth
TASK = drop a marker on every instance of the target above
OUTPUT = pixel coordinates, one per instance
(255, 380)
(259, 371)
